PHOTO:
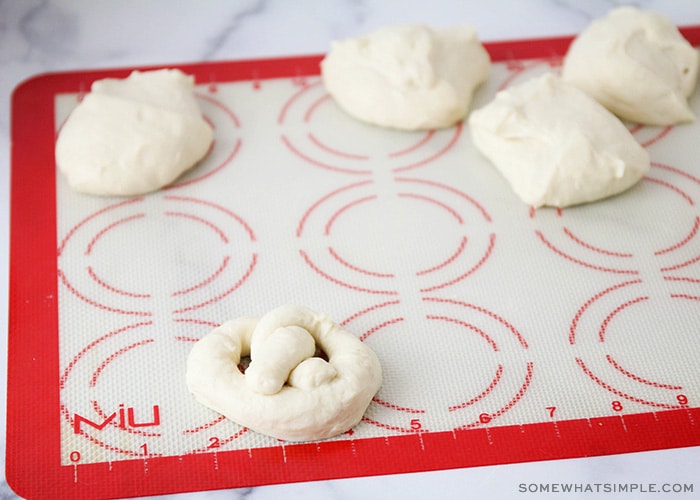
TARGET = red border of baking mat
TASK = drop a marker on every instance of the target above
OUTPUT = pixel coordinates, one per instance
(33, 432)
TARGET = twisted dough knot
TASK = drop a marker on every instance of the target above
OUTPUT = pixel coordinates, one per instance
(286, 392)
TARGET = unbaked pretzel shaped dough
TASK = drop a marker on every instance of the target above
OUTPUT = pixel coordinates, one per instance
(285, 392)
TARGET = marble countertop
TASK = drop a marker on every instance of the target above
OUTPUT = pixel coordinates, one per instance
(38, 36)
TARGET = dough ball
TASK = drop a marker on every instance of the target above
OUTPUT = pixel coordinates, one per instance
(133, 136)
(556, 145)
(407, 77)
(637, 64)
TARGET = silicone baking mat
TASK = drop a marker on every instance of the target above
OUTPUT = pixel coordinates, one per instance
(506, 334)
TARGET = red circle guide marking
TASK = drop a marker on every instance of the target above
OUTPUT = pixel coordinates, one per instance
(334, 254)
(220, 222)
(483, 394)
(486, 404)
(648, 136)
(592, 251)
(639, 379)
(588, 246)
(37, 418)
(460, 208)
(311, 146)
(562, 253)
(89, 218)
(606, 322)
(108, 428)
(107, 286)
(573, 329)
(510, 404)
(626, 381)
(91, 424)
(617, 392)
(94, 344)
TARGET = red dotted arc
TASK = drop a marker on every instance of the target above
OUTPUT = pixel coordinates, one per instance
(593, 248)
(608, 319)
(308, 145)
(96, 374)
(469, 272)
(64, 280)
(287, 105)
(579, 314)
(494, 382)
(92, 345)
(110, 227)
(339, 282)
(618, 392)
(448, 261)
(205, 281)
(425, 161)
(380, 326)
(352, 156)
(684, 241)
(364, 312)
(509, 405)
(468, 326)
(225, 293)
(423, 141)
(578, 261)
(93, 216)
(325, 198)
(403, 409)
(103, 283)
(326, 166)
(500, 319)
(449, 189)
(342, 261)
(615, 364)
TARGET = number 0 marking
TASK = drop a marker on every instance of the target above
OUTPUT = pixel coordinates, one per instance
(74, 456)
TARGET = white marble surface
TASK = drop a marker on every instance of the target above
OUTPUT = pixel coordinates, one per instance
(38, 36)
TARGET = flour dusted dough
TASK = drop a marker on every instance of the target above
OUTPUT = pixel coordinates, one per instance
(133, 136)
(407, 77)
(636, 64)
(285, 392)
(556, 145)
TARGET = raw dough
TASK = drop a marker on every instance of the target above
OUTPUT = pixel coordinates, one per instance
(407, 77)
(285, 392)
(636, 64)
(556, 145)
(133, 136)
